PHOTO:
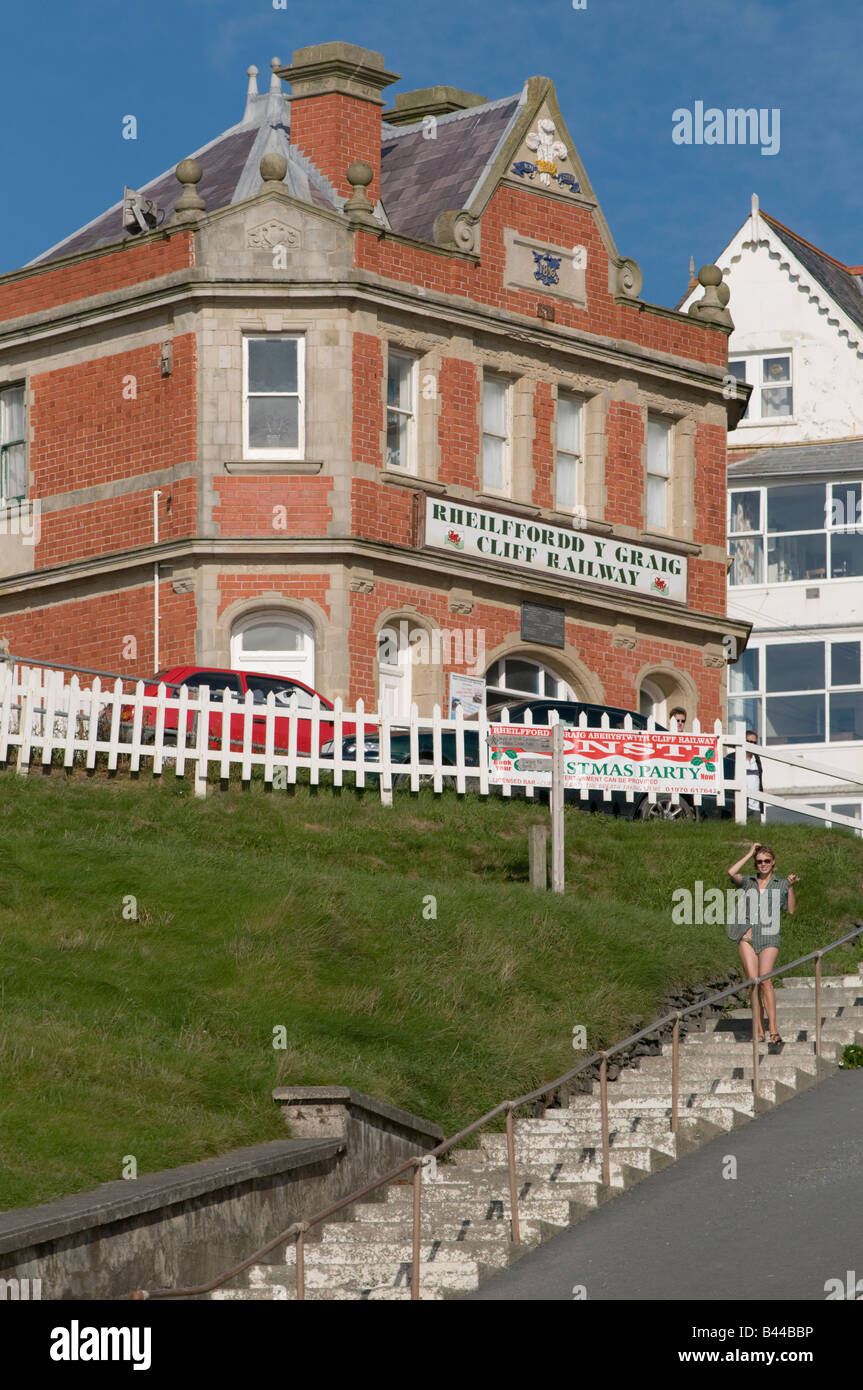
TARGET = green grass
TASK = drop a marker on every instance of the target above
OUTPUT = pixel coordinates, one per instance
(154, 1037)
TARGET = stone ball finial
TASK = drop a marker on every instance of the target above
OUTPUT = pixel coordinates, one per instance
(359, 174)
(275, 63)
(713, 308)
(251, 70)
(273, 168)
(709, 275)
(189, 172)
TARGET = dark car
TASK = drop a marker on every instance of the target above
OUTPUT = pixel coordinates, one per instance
(569, 712)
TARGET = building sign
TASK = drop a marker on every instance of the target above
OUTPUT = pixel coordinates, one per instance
(554, 550)
(468, 692)
(607, 760)
(542, 624)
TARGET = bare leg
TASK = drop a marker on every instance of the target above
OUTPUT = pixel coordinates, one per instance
(750, 964)
(766, 962)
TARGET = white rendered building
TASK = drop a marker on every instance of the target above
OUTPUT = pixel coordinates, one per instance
(795, 510)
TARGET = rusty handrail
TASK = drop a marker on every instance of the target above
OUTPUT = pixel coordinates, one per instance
(299, 1228)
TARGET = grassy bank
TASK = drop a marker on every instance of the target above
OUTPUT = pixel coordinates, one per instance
(154, 1037)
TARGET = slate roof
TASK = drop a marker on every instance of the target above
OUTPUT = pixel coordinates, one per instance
(420, 177)
(230, 164)
(800, 460)
(840, 281)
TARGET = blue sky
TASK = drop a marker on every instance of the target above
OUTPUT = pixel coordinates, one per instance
(71, 72)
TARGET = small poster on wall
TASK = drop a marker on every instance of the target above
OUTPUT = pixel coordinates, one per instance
(467, 692)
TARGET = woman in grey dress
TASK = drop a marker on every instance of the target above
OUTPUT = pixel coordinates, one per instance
(755, 928)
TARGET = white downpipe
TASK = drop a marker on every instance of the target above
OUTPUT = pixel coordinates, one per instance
(156, 495)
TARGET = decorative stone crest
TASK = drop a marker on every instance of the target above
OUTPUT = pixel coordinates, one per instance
(627, 278)
(362, 586)
(548, 150)
(269, 234)
(547, 267)
(624, 638)
(463, 606)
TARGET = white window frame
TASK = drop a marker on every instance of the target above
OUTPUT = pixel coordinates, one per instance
(575, 508)
(668, 427)
(489, 378)
(761, 695)
(277, 452)
(5, 392)
(411, 467)
(753, 363)
(834, 488)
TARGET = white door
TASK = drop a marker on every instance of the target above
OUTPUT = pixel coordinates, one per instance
(394, 675)
(277, 644)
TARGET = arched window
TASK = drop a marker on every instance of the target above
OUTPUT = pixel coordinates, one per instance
(280, 644)
(395, 684)
(652, 701)
(518, 676)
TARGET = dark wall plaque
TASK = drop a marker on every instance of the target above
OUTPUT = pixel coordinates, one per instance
(543, 624)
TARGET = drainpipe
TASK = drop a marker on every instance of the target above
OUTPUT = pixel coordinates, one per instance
(156, 495)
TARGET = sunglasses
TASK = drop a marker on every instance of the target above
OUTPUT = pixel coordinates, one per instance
(764, 861)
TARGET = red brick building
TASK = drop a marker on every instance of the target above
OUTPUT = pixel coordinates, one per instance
(367, 368)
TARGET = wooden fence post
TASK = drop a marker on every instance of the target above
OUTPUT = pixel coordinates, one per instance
(537, 840)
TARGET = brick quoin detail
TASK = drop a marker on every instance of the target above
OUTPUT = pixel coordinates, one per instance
(368, 374)
(93, 631)
(86, 432)
(458, 423)
(26, 292)
(247, 506)
(334, 129)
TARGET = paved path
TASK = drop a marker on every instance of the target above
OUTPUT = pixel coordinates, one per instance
(791, 1220)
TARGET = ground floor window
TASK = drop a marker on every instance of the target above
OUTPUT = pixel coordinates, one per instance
(518, 676)
(279, 644)
(781, 815)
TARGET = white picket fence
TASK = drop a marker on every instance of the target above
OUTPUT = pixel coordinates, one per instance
(50, 716)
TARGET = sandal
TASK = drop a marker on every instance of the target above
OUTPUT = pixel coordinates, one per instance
(775, 1040)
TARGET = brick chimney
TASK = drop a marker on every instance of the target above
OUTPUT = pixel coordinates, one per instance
(336, 109)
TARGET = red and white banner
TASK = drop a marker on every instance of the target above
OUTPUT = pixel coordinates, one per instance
(610, 760)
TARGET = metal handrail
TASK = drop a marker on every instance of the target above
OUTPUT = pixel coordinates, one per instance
(418, 1161)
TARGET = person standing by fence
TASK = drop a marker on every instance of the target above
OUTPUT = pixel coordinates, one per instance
(755, 928)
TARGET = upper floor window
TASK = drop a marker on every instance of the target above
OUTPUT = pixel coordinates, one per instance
(401, 411)
(496, 432)
(13, 449)
(658, 472)
(772, 388)
(274, 397)
(569, 467)
(795, 532)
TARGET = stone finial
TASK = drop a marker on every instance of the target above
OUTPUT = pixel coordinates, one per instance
(693, 278)
(275, 80)
(272, 169)
(359, 208)
(190, 204)
(252, 74)
(713, 307)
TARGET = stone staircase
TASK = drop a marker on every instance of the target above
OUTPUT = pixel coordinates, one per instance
(465, 1204)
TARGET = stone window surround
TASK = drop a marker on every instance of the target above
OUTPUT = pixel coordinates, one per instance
(425, 350)
(514, 461)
